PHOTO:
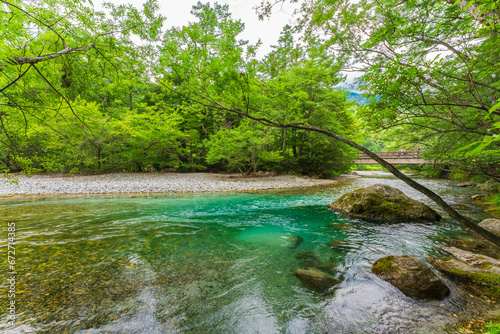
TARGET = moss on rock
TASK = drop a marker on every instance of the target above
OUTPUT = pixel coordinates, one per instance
(410, 276)
(383, 203)
(383, 265)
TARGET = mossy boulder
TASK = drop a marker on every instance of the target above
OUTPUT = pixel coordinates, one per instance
(492, 225)
(383, 203)
(316, 280)
(411, 277)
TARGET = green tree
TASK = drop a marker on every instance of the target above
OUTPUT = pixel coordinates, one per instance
(61, 55)
(246, 147)
(430, 69)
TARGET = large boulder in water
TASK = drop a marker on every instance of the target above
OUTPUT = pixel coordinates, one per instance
(410, 276)
(383, 203)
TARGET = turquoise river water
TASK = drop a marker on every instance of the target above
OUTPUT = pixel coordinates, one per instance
(214, 263)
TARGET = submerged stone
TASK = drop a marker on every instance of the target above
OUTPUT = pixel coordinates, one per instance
(411, 277)
(337, 243)
(341, 227)
(311, 260)
(294, 241)
(307, 256)
(383, 203)
(492, 225)
(316, 280)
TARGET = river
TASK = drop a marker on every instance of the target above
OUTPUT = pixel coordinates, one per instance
(216, 263)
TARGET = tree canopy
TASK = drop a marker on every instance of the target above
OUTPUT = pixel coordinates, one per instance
(89, 91)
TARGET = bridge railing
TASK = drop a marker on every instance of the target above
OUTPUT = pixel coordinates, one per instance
(393, 154)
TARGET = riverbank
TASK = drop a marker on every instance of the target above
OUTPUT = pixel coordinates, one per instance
(151, 183)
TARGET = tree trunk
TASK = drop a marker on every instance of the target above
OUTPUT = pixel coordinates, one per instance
(415, 185)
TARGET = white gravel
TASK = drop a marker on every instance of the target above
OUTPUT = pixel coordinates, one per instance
(150, 183)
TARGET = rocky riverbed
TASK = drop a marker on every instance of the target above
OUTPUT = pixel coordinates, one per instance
(150, 183)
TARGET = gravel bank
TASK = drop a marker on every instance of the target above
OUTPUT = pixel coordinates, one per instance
(150, 183)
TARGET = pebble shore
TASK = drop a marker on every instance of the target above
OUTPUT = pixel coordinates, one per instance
(150, 183)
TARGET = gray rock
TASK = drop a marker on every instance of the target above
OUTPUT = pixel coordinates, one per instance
(492, 225)
(411, 277)
(383, 203)
(316, 280)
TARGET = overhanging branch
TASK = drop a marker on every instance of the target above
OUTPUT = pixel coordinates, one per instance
(34, 60)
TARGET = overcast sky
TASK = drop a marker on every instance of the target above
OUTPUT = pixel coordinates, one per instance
(178, 14)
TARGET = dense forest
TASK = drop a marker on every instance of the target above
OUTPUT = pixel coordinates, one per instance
(89, 91)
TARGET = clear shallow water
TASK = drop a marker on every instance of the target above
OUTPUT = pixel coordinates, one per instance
(216, 263)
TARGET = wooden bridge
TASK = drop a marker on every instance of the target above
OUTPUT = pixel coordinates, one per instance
(395, 158)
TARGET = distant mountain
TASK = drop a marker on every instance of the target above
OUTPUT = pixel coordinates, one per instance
(358, 98)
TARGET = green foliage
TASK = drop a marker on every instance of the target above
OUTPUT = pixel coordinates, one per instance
(430, 70)
(98, 102)
(493, 328)
(288, 87)
(245, 147)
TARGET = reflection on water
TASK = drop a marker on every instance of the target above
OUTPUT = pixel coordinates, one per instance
(214, 264)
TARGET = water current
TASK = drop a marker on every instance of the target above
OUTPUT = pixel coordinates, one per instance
(215, 263)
